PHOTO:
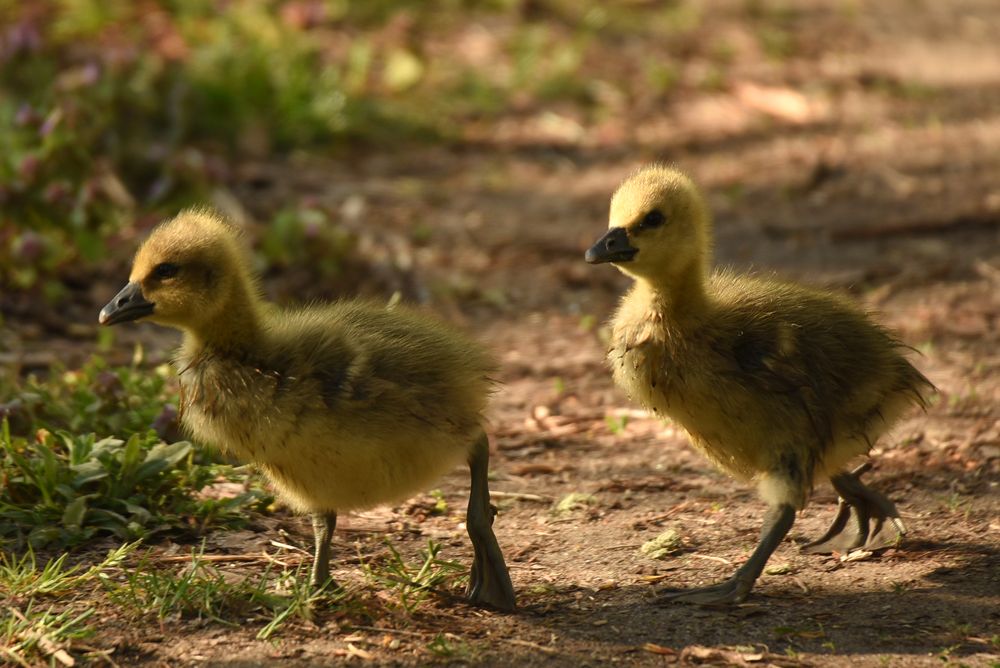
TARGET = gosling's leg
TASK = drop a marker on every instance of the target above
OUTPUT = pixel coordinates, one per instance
(777, 522)
(489, 581)
(865, 518)
(323, 527)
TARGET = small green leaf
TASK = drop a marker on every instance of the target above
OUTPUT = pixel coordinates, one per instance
(88, 472)
(106, 446)
(139, 514)
(41, 536)
(133, 452)
(74, 512)
(161, 457)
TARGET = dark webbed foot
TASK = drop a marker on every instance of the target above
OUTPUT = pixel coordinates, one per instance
(778, 521)
(865, 518)
(731, 591)
(489, 581)
(323, 528)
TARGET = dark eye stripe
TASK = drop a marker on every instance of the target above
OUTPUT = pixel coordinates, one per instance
(165, 270)
(652, 219)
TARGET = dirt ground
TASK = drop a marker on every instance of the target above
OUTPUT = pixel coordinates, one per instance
(870, 164)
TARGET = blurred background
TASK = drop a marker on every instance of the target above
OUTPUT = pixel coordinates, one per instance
(462, 151)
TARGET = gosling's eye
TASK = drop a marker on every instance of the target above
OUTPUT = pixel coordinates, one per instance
(652, 219)
(165, 270)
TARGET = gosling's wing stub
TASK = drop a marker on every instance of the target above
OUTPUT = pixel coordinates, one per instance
(770, 359)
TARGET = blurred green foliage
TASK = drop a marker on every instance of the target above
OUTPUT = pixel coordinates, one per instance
(94, 399)
(110, 108)
(113, 111)
(306, 236)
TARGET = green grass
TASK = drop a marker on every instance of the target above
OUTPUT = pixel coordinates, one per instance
(23, 578)
(30, 633)
(413, 583)
(42, 610)
(106, 113)
(198, 590)
(307, 236)
(616, 424)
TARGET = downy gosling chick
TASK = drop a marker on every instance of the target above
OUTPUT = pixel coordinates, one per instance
(774, 382)
(343, 406)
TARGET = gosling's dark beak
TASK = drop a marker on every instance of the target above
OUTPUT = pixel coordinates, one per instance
(129, 304)
(612, 247)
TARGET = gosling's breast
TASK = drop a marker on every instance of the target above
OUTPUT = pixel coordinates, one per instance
(646, 371)
(243, 409)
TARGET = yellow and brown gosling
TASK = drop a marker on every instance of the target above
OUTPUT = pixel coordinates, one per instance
(774, 382)
(344, 405)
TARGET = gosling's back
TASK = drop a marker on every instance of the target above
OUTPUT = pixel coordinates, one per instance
(345, 405)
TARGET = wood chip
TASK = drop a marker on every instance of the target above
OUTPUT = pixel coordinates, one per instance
(536, 646)
(653, 648)
(533, 469)
(63, 657)
(520, 496)
(211, 558)
(711, 558)
(360, 653)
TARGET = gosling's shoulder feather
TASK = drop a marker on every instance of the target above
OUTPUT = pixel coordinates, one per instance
(361, 353)
(395, 339)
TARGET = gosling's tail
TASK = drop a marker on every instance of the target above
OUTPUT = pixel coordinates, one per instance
(914, 384)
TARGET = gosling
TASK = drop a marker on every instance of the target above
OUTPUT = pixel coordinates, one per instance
(343, 406)
(774, 382)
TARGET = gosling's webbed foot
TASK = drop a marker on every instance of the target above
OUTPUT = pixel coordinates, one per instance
(489, 580)
(327, 585)
(732, 591)
(777, 522)
(865, 519)
(844, 534)
(324, 525)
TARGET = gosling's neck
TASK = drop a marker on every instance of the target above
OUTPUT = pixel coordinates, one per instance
(678, 298)
(234, 330)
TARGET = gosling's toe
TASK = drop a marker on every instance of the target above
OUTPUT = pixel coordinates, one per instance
(865, 519)
(732, 591)
(846, 533)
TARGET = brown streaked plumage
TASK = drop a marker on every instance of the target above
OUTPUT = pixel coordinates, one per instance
(343, 405)
(774, 382)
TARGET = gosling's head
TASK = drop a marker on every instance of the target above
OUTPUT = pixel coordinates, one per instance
(658, 227)
(187, 274)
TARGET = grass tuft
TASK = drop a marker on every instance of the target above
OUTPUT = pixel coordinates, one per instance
(201, 591)
(29, 630)
(413, 583)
